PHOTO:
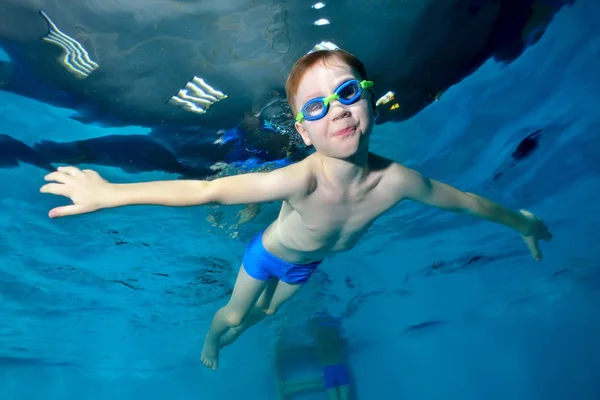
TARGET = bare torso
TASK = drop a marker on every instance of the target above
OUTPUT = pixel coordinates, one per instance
(329, 219)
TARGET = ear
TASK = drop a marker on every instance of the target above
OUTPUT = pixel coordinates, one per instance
(373, 105)
(373, 101)
(302, 131)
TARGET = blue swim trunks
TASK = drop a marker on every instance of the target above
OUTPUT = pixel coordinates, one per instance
(335, 375)
(262, 265)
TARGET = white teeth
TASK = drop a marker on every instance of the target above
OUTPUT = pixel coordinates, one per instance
(76, 58)
(197, 96)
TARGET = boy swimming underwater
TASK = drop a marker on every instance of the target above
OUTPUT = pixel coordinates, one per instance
(329, 199)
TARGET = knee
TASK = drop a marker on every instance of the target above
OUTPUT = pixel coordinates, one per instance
(232, 318)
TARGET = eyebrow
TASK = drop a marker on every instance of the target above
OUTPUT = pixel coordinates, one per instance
(338, 82)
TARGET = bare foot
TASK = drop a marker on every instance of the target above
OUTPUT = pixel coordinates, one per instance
(210, 354)
(231, 336)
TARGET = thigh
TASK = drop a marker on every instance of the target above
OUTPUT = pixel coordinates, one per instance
(246, 292)
(344, 392)
(277, 293)
(332, 394)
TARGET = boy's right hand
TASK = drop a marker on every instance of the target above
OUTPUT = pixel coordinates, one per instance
(536, 231)
(87, 189)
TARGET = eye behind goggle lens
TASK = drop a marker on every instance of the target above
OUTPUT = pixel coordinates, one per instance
(350, 91)
(314, 108)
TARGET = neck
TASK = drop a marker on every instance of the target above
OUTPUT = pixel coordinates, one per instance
(349, 170)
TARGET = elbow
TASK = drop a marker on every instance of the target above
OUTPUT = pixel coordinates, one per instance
(217, 192)
(191, 193)
(471, 204)
(210, 192)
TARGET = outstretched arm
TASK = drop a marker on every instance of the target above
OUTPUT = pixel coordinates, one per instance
(90, 192)
(414, 186)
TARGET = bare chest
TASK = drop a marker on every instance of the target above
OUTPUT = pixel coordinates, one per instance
(337, 222)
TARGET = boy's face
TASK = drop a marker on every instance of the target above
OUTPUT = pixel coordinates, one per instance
(345, 129)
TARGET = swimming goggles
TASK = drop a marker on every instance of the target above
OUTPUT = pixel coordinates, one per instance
(347, 93)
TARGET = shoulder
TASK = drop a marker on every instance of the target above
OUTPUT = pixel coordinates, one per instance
(303, 174)
(396, 177)
(390, 171)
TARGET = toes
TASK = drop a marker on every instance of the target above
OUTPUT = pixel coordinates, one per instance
(210, 364)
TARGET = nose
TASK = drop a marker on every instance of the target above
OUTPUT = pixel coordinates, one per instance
(338, 111)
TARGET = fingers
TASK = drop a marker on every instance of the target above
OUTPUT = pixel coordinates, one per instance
(63, 174)
(58, 176)
(65, 211)
(542, 232)
(89, 172)
(57, 189)
(62, 181)
(73, 171)
(533, 247)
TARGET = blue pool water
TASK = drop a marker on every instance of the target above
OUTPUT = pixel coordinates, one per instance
(115, 304)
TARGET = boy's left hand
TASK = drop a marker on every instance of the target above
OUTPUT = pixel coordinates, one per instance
(536, 231)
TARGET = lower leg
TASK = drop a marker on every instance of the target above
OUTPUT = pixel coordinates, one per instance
(275, 294)
(270, 297)
(256, 315)
(246, 292)
(210, 351)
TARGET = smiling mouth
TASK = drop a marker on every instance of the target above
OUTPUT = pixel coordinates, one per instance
(346, 131)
